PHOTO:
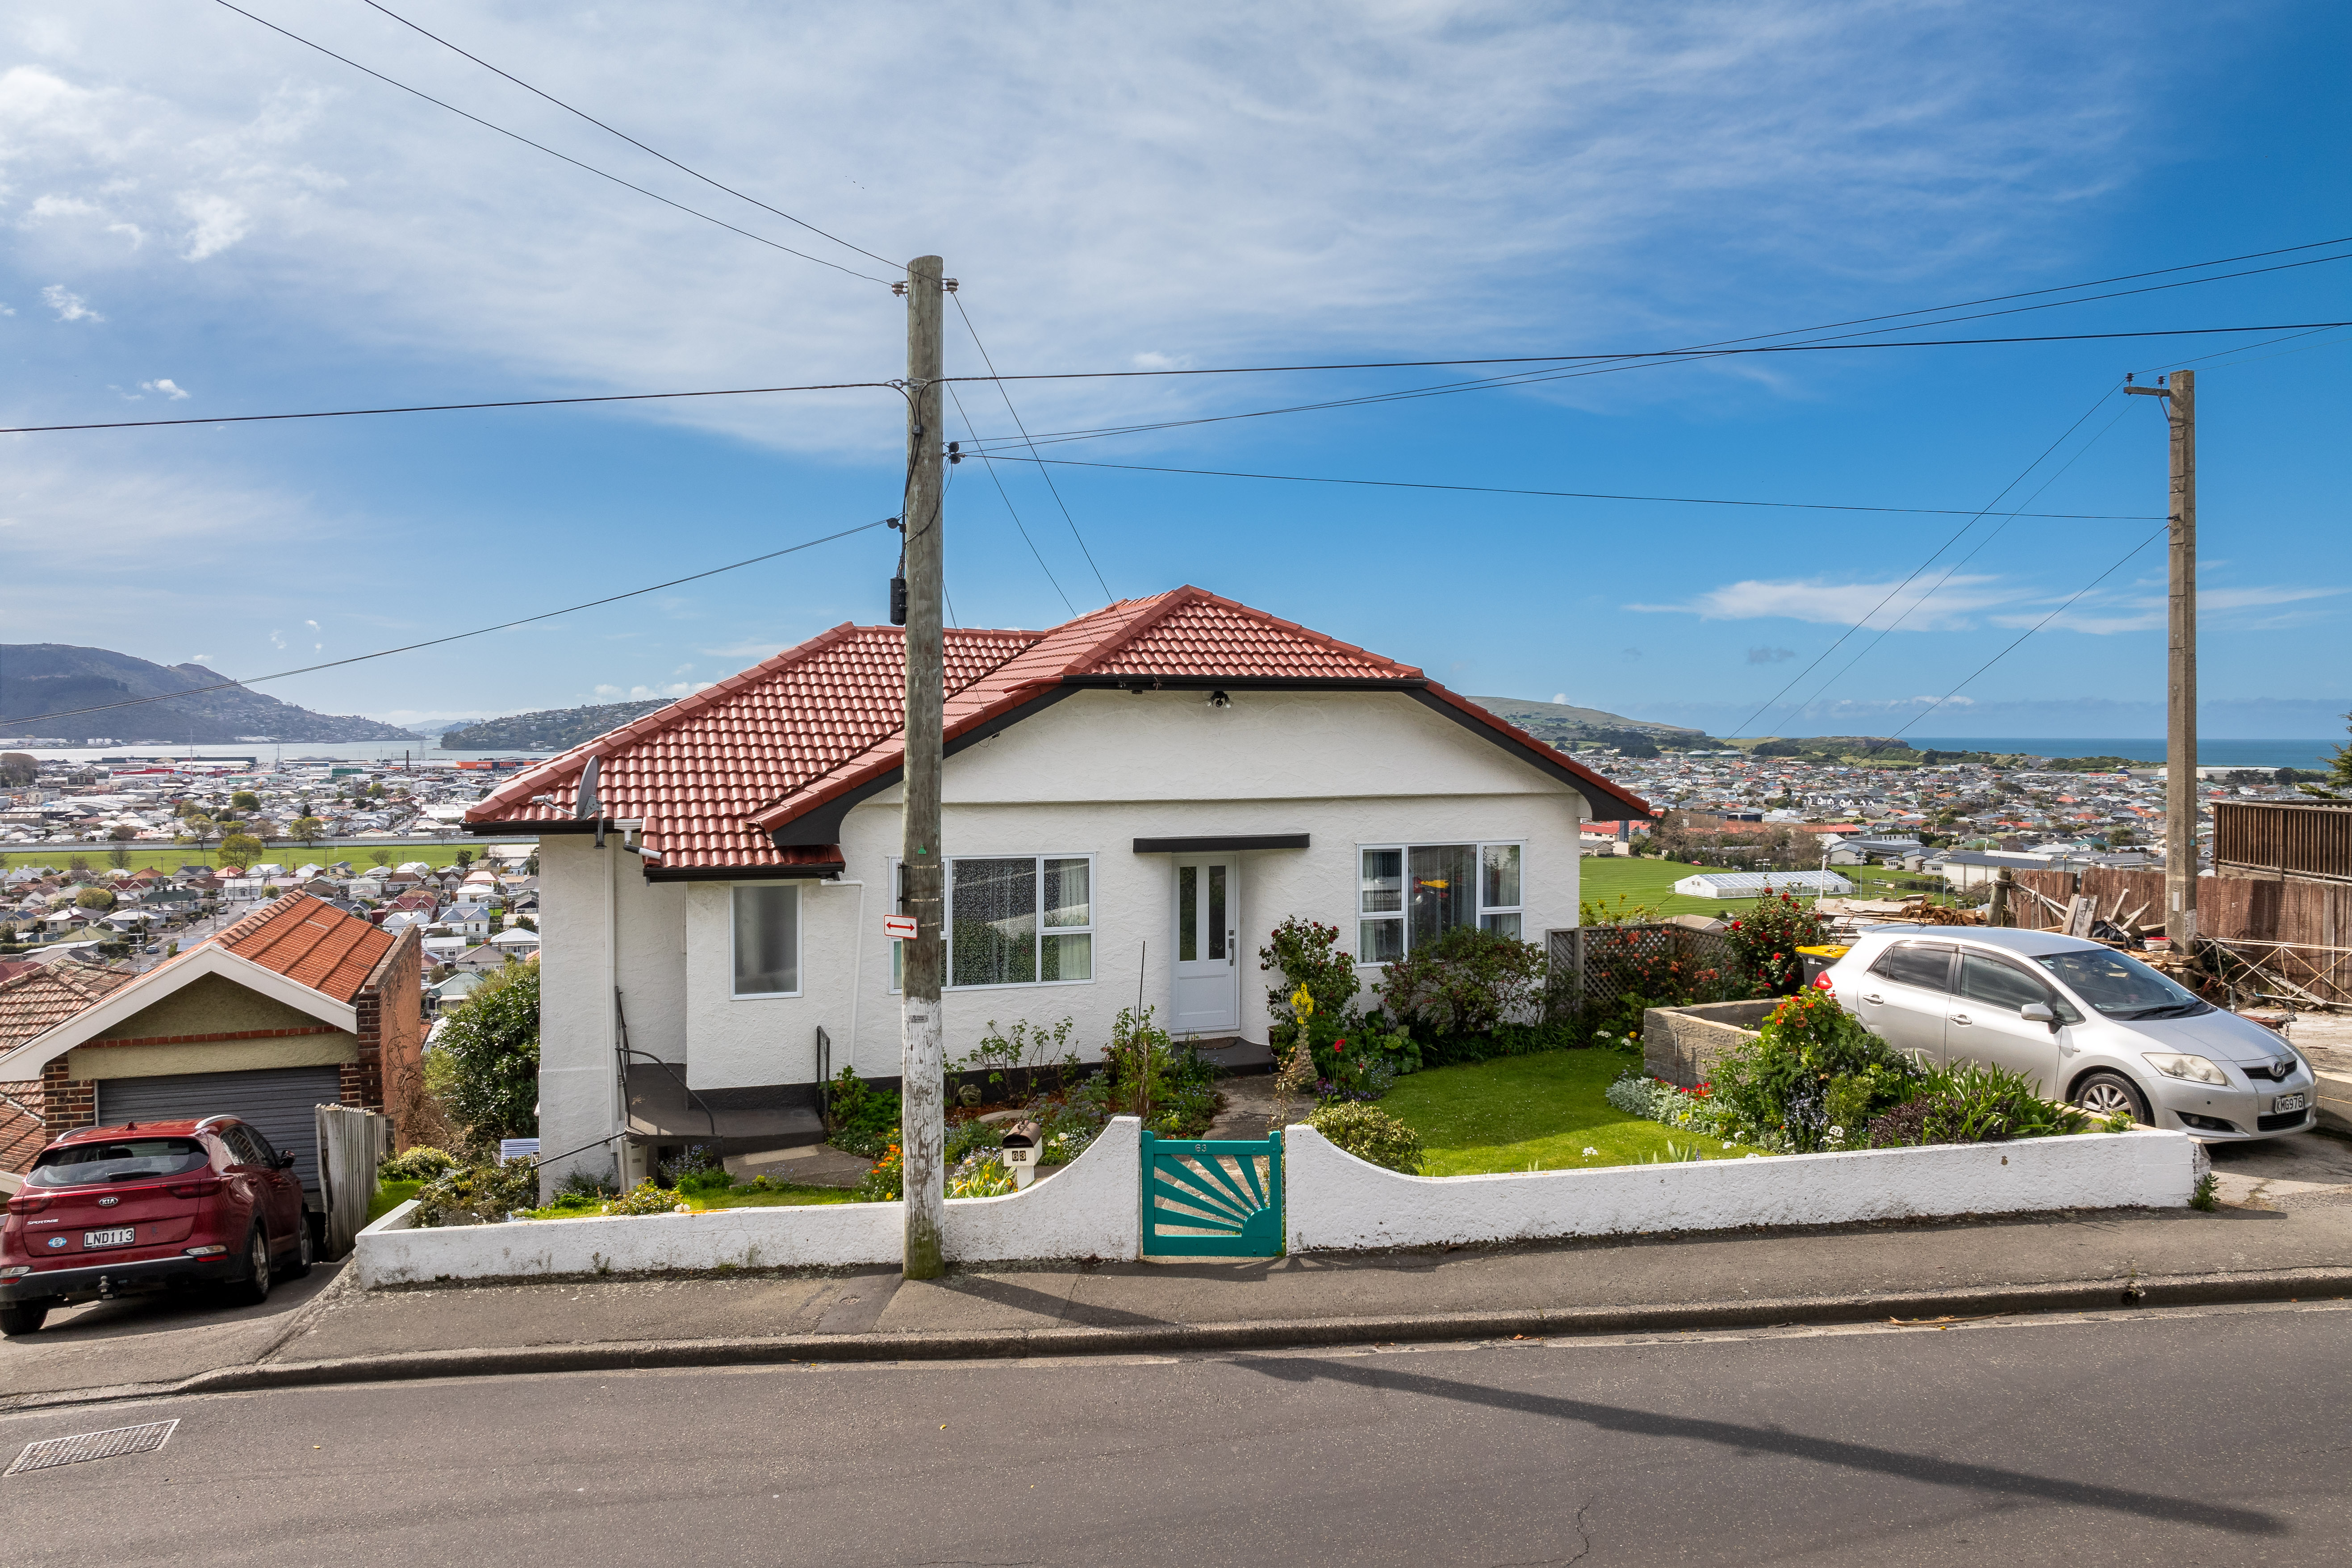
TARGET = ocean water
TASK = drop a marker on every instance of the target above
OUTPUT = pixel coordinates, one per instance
(2210, 753)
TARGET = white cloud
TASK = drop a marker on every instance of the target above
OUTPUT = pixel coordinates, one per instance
(1206, 180)
(648, 693)
(46, 208)
(219, 223)
(2103, 617)
(166, 385)
(1559, 696)
(1920, 607)
(69, 306)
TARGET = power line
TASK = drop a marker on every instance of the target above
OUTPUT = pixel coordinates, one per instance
(634, 141)
(1007, 395)
(455, 636)
(1767, 704)
(957, 399)
(2037, 625)
(591, 168)
(1974, 551)
(1584, 495)
(449, 408)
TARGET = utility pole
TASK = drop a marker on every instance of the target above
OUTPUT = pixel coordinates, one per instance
(2180, 393)
(922, 1137)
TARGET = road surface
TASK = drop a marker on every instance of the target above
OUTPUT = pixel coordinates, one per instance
(2179, 1437)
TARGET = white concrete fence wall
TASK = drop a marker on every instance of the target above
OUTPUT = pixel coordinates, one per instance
(1332, 1202)
(1092, 1209)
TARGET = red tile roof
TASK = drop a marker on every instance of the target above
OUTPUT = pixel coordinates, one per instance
(34, 1003)
(311, 943)
(22, 1136)
(713, 775)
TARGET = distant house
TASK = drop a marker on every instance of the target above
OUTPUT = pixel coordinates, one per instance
(1763, 884)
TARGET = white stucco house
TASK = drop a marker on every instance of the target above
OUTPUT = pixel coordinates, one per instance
(1133, 800)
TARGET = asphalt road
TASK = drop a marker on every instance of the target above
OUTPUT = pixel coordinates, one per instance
(2185, 1436)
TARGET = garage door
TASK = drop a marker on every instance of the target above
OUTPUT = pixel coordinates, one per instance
(277, 1101)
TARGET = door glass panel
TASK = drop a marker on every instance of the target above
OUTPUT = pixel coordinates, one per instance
(1502, 870)
(1443, 891)
(1188, 913)
(992, 924)
(1998, 985)
(1216, 912)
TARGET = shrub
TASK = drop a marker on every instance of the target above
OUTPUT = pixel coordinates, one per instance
(1973, 1103)
(1467, 981)
(583, 1186)
(421, 1164)
(1308, 954)
(643, 1198)
(1766, 941)
(861, 1119)
(887, 1182)
(1372, 1135)
(980, 1176)
(479, 1195)
(1810, 1077)
(488, 1057)
(1503, 1040)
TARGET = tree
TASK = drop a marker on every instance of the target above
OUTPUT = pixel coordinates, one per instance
(94, 899)
(379, 856)
(306, 828)
(246, 800)
(242, 848)
(18, 769)
(464, 857)
(488, 1058)
(2338, 777)
(119, 858)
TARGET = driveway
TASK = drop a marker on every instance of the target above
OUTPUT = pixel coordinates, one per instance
(142, 1340)
(2302, 1170)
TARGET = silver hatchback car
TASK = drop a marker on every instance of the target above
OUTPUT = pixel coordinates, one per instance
(2089, 1024)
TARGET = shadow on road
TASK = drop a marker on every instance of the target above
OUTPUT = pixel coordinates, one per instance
(90, 1321)
(1861, 1457)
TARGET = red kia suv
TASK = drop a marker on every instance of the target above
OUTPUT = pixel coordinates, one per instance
(112, 1211)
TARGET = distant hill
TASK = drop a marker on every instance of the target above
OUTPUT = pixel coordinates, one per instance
(45, 678)
(550, 729)
(1572, 728)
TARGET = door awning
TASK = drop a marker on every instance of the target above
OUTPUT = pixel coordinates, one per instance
(1213, 841)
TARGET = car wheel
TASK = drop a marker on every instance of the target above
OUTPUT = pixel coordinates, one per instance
(253, 1290)
(305, 1249)
(2112, 1094)
(15, 1320)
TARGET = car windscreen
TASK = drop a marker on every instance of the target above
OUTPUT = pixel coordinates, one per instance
(116, 1160)
(2121, 986)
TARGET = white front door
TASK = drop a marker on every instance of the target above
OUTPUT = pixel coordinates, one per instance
(1208, 947)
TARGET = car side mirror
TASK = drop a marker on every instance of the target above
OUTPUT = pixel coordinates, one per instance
(2037, 1013)
(286, 1161)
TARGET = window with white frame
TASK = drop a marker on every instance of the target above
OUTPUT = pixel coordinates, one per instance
(1015, 920)
(1412, 894)
(767, 923)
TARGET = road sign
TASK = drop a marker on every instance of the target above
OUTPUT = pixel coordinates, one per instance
(899, 927)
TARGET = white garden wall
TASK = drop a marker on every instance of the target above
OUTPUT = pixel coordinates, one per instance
(1090, 1210)
(1334, 1202)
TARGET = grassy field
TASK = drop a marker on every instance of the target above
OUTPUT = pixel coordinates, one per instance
(171, 858)
(1651, 882)
(1542, 1112)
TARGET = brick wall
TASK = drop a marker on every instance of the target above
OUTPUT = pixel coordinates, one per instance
(391, 1068)
(66, 1102)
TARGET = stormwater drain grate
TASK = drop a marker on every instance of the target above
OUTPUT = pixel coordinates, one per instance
(92, 1445)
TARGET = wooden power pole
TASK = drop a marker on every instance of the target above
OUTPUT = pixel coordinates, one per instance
(2180, 393)
(922, 1137)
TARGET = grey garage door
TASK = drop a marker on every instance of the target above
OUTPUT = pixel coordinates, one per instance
(276, 1099)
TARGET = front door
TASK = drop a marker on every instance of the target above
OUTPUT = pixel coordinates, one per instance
(1207, 998)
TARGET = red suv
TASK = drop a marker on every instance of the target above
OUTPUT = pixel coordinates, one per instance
(111, 1211)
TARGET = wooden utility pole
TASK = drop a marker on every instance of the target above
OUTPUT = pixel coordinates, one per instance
(922, 1137)
(2180, 393)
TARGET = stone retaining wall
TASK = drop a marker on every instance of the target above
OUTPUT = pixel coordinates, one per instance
(1682, 1045)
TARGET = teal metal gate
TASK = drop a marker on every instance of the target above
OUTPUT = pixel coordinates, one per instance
(1217, 1197)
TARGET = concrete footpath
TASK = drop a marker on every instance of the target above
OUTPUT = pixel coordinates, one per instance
(2073, 1262)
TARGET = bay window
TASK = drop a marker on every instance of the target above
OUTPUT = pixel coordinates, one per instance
(1411, 894)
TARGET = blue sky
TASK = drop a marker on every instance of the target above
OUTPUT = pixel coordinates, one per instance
(202, 216)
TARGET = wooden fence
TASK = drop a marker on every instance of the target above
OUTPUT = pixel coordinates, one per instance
(352, 1144)
(2298, 934)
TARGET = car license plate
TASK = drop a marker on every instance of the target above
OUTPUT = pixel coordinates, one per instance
(2286, 1102)
(108, 1238)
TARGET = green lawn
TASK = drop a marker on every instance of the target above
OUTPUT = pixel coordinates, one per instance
(390, 1196)
(1538, 1112)
(1651, 882)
